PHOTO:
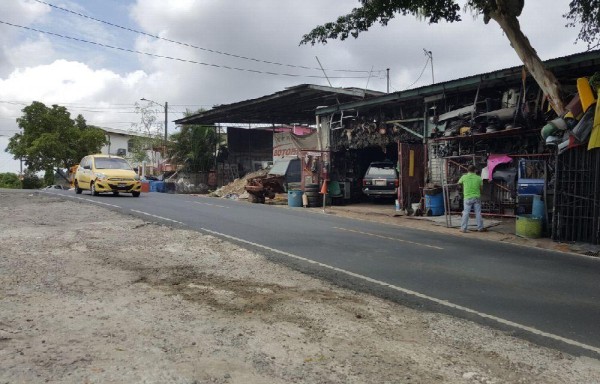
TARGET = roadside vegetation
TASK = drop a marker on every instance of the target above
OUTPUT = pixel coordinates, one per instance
(10, 180)
(50, 139)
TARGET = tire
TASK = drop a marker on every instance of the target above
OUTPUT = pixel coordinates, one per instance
(312, 194)
(116, 193)
(311, 188)
(134, 194)
(77, 189)
(93, 190)
(313, 201)
(253, 198)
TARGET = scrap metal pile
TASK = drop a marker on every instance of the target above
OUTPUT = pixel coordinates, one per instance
(266, 186)
(359, 133)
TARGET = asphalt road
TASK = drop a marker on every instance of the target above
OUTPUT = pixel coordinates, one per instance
(549, 297)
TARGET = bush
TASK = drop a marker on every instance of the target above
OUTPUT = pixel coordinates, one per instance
(32, 181)
(10, 180)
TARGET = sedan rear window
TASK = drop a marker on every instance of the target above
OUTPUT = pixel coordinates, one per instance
(381, 171)
(111, 163)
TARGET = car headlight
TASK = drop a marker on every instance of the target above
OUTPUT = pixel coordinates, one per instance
(100, 176)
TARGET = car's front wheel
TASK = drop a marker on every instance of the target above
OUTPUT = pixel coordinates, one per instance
(135, 194)
(93, 189)
(77, 189)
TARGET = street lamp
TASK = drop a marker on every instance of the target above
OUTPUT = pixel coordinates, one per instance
(166, 107)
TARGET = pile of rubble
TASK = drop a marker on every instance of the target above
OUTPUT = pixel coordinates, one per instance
(185, 186)
(235, 189)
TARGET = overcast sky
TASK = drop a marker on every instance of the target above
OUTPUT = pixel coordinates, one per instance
(186, 66)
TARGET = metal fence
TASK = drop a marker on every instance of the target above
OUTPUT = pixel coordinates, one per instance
(576, 215)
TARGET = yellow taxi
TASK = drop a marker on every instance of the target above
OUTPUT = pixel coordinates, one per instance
(106, 173)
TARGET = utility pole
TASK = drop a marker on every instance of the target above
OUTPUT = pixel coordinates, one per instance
(429, 54)
(166, 123)
(165, 141)
(388, 79)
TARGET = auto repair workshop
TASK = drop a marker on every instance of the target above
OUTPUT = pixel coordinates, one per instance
(537, 167)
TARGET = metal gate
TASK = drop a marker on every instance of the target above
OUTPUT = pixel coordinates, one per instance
(576, 214)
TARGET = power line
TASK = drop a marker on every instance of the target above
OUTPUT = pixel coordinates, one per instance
(112, 108)
(194, 46)
(178, 59)
(422, 71)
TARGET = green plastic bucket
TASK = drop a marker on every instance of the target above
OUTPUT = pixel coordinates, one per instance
(529, 226)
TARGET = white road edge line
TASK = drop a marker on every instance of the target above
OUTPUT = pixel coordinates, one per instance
(416, 294)
(83, 198)
(388, 238)
(157, 217)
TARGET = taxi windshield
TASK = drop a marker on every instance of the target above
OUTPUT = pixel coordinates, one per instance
(111, 163)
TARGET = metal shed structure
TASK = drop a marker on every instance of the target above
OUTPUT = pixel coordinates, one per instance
(294, 105)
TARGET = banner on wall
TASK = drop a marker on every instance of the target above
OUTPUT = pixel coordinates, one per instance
(287, 144)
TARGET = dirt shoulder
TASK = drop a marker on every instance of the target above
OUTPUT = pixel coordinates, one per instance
(118, 299)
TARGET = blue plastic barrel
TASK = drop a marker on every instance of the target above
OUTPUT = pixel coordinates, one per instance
(295, 198)
(159, 186)
(152, 186)
(538, 209)
(434, 204)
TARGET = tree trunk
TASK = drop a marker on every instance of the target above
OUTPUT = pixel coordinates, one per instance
(520, 43)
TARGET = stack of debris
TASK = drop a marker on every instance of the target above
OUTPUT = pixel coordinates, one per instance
(185, 186)
(235, 189)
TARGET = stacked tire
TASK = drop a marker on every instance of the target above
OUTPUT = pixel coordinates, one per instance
(312, 193)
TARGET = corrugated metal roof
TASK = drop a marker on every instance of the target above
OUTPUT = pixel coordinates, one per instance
(559, 66)
(123, 132)
(294, 105)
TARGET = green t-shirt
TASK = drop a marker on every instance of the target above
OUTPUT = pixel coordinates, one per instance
(471, 185)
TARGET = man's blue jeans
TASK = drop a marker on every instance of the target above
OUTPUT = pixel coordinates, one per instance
(476, 204)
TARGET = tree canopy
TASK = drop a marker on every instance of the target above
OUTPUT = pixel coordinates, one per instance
(194, 146)
(50, 139)
(587, 14)
(144, 148)
(360, 19)
(504, 12)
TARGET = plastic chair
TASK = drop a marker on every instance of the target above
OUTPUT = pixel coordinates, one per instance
(334, 189)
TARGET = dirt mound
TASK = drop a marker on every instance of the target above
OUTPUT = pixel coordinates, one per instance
(237, 186)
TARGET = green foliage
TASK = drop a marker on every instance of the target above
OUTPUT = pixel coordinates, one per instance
(194, 146)
(48, 177)
(141, 146)
(362, 18)
(10, 180)
(50, 139)
(585, 12)
(31, 181)
(145, 147)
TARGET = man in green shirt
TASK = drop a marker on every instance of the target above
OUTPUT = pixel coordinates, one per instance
(472, 185)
